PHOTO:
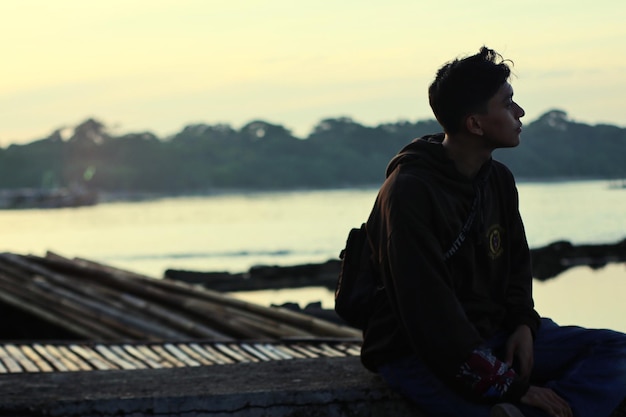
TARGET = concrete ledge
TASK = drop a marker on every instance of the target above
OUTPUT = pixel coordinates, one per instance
(326, 387)
(329, 387)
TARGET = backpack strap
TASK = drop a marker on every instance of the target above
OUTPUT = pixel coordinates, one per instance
(465, 230)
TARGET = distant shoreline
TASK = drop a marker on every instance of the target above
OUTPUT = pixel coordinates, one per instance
(110, 196)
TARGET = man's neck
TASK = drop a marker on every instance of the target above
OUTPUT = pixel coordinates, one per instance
(467, 153)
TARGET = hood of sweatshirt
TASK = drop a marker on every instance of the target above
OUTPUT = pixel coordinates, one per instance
(427, 159)
(427, 155)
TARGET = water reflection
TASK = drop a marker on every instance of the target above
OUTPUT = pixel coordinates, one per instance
(585, 297)
(579, 296)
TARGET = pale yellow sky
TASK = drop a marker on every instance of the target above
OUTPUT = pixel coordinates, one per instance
(159, 65)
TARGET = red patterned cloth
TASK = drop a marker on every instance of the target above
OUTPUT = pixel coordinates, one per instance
(486, 375)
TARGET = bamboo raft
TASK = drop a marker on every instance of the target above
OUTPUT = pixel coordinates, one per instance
(75, 357)
(101, 303)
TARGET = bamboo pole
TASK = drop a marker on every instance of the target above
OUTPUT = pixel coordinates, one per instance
(106, 302)
(226, 321)
(174, 318)
(300, 320)
(118, 318)
(55, 311)
(241, 323)
(183, 310)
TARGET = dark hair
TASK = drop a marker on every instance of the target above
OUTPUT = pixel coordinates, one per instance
(464, 86)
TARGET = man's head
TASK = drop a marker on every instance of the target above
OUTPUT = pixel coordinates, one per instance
(464, 86)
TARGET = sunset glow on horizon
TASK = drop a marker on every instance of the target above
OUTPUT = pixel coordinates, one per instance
(157, 66)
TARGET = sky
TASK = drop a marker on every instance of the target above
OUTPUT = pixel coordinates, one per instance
(159, 65)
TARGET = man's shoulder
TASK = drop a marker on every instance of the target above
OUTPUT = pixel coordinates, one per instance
(402, 189)
(407, 179)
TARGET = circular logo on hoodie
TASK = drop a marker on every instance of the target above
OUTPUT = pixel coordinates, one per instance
(494, 237)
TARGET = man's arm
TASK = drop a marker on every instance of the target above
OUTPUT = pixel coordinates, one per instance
(519, 298)
(519, 347)
(418, 283)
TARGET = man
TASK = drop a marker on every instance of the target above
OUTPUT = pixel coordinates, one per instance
(455, 328)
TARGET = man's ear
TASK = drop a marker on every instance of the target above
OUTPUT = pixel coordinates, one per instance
(473, 124)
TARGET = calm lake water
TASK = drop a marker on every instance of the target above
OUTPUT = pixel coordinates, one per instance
(234, 232)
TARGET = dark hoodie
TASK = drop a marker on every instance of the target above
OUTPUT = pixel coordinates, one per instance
(443, 310)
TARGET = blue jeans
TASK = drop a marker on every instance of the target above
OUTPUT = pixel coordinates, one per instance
(586, 367)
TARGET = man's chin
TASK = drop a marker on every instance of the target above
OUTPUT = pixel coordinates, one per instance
(515, 142)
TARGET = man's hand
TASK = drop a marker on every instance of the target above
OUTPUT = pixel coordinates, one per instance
(520, 346)
(547, 400)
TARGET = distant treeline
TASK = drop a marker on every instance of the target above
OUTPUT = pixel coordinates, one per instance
(262, 156)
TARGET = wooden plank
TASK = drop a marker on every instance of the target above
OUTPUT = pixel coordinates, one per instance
(254, 352)
(212, 353)
(208, 356)
(235, 354)
(69, 358)
(350, 349)
(276, 351)
(193, 354)
(304, 351)
(267, 351)
(39, 361)
(149, 360)
(56, 362)
(181, 355)
(149, 353)
(243, 352)
(294, 354)
(10, 363)
(124, 355)
(48, 358)
(315, 349)
(160, 350)
(112, 357)
(331, 352)
(24, 362)
(93, 358)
